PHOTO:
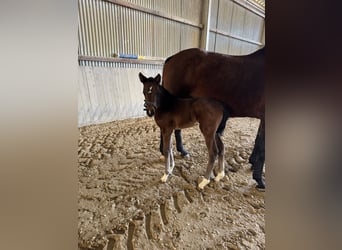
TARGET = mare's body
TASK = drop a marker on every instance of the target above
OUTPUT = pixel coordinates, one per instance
(237, 81)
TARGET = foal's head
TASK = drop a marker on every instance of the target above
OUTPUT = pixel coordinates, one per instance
(151, 91)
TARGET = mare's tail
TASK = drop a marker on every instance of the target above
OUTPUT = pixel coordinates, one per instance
(223, 122)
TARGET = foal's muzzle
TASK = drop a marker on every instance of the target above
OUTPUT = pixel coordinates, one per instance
(149, 108)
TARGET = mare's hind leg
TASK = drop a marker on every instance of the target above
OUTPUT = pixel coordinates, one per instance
(257, 158)
(179, 143)
(167, 152)
(220, 148)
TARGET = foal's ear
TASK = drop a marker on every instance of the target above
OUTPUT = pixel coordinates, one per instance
(157, 78)
(142, 77)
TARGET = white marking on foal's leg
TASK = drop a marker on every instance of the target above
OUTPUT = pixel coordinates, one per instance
(172, 160)
(164, 177)
(203, 183)
(219, 176)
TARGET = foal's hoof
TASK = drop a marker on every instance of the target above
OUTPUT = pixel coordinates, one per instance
(203, 183)
(162, 158)
(164, 178)
(219, 176)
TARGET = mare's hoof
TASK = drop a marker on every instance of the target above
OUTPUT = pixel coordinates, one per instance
(185, 154)
(260, 185)
(219, 176)
(203, 183)
(260, 188)
(164, 178)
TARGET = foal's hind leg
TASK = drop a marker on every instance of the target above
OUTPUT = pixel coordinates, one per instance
(220, 147)
(212, 150)
(167, 151)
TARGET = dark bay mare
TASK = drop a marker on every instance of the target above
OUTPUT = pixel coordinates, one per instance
(171, 112)
(237, 81)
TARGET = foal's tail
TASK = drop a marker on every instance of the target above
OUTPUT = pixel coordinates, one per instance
(223, 122)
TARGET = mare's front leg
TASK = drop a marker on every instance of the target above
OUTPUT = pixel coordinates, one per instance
(167, 152)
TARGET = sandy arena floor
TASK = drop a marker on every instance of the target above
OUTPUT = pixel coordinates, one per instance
(123, 204)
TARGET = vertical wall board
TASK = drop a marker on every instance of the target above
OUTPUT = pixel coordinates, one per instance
(191, 9)
(89, 76)
(111, 29)
(214, 13)
(237, 25)
(106, 30)
(246, 48)
(225, 13)
(262, 35)
(156, 26)
(190, 37)
(252, 26)
(107, 90)
(221, 44)
(119, 32)
(149, 34)
(83, 97)
(234, 47)
(212, 41)
(82, 103)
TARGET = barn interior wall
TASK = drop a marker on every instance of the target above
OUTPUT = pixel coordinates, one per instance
(154, 29)
(111, 91)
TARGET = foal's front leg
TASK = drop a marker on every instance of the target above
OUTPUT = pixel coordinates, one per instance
(167, 151)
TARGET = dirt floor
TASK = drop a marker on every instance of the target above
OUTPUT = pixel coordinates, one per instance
(123, 204)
